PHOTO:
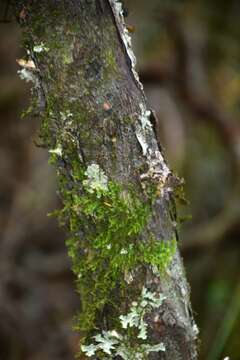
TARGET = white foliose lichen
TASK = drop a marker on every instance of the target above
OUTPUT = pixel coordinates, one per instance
(144, 117)
(158, 168)
(28, 71)
(97, 181)
(123, 251)
(128, 277)
(66, 115)
(195, 330)
(40, 48)
(114, 344)
(27, 75)
(144, 125)
(57, 150)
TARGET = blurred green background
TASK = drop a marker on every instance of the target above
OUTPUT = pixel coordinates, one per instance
(189, 61)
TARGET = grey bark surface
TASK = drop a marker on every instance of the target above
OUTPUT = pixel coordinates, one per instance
(88, 70)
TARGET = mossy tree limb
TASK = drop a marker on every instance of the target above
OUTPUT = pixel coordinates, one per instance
(114, 183)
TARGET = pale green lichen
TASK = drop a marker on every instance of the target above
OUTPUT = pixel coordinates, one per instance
(195, 330)
(96, 180)
(27, 75)
(124, 344)
(145, 117)
(40, 48)
(123, 251)
(57, 151)
(135, 318)
(66, 115)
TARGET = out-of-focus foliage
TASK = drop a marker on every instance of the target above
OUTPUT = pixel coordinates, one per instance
(190, 64)
(189, 61)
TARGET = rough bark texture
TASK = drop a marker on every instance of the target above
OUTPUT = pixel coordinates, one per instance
(94, 111)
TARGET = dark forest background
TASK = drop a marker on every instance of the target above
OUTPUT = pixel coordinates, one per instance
(189, 61)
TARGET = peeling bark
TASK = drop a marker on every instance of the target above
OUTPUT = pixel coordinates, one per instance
(94, 111)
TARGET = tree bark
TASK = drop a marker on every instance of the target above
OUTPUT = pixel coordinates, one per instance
(116, 187)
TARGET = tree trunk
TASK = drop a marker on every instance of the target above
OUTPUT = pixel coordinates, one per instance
(116, 188)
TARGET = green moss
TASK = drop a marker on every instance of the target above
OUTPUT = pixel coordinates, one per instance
(110, 224)
(158, 253)
(30, 112)
(105, 244)
(110, 65)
